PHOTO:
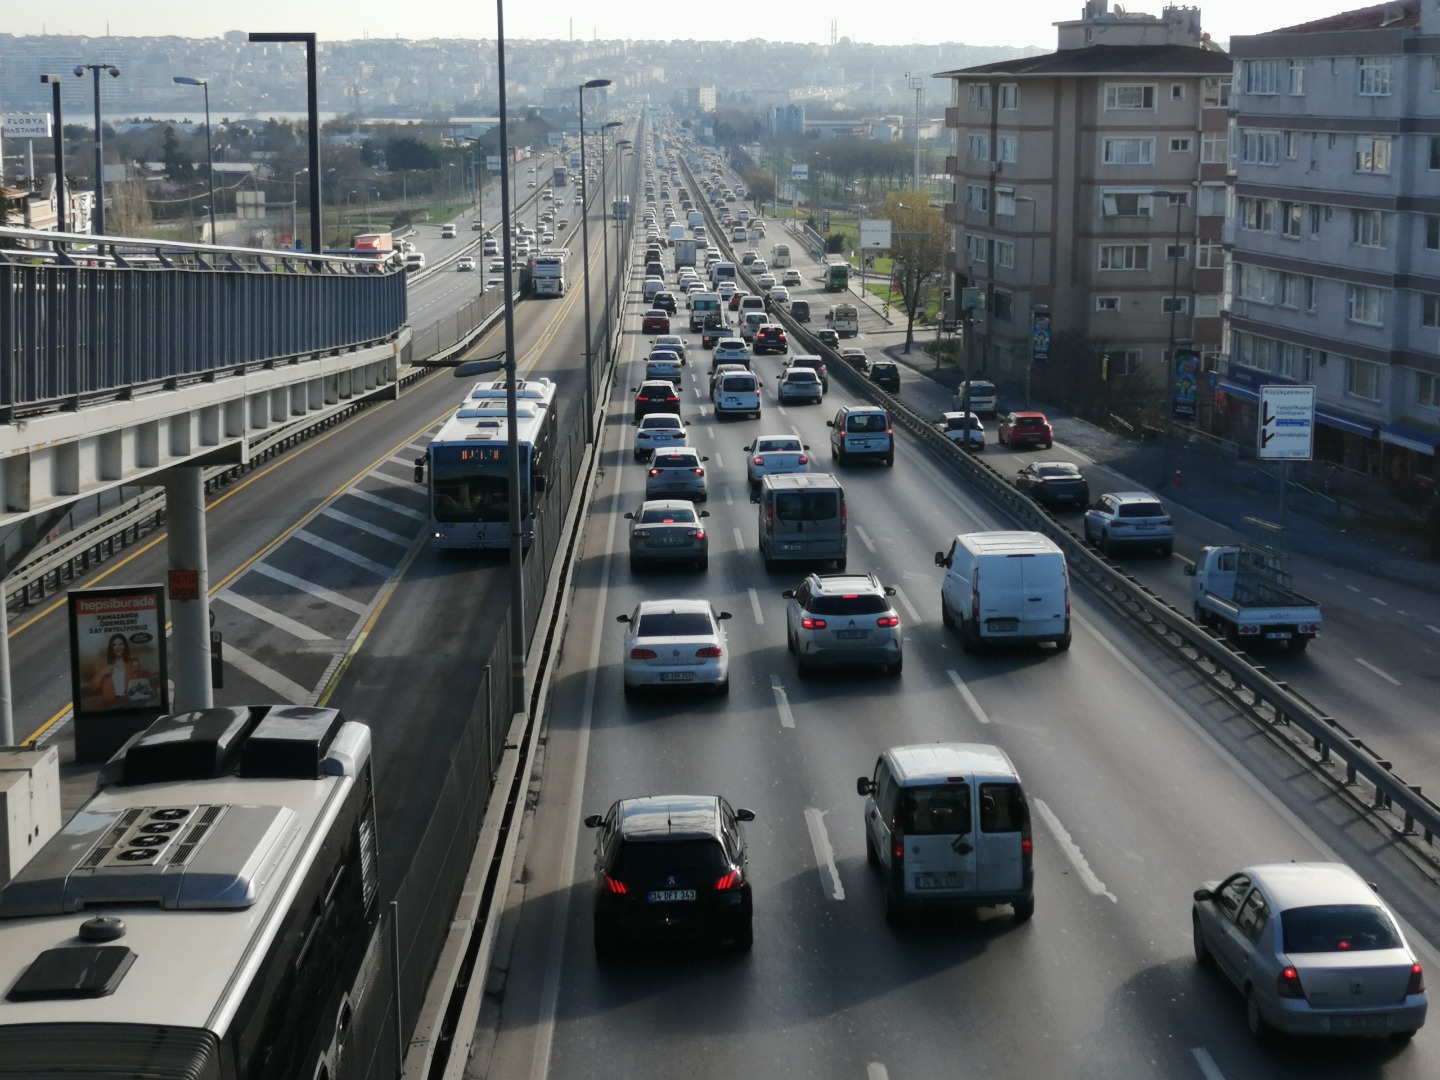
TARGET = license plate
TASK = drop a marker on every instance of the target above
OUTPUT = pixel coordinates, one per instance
(676, 676)
(1278, 635)
(670, 896)
(668, 540)
(1142, 528)
(939, 881)
(851, 635)
(1378, 1022)
(1003, 626)
(787, 547)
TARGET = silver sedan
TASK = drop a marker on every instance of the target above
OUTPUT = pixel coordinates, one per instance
(668, 531)
(770, 455)
(675, 643)
(1313, 950)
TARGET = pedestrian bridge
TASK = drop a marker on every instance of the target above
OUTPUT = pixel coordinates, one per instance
(121, 358)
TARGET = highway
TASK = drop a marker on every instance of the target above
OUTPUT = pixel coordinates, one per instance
(1143, 782)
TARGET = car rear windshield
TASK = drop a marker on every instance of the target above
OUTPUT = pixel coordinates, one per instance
(807, 505)
(1029, 421)
(982, 388)
(849, 605)
(867, 422)
(738, 384)
(1002, 808)
(667, 517)
(1338, 928)
(682, 858)
(675, 624)
(942, 809)
(1140, 510)
(676, 461)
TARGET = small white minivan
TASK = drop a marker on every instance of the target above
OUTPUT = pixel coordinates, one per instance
(948, 824)
(1002, 587)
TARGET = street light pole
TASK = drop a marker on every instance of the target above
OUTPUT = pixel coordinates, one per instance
(1171, 369)
(1034, 305)
(592, 84)
(59, 137)
(186, 80)
(114, 73)
(295, 207)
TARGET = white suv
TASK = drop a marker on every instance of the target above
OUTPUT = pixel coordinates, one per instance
(841, 620)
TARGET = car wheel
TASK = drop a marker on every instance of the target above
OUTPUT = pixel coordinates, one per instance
(1062, 643)
(803, 667)
(744, 937)
(1167, 550)
(769, 562)
(1105, 545)
(840, 565)
(722, 688)
(969, 637)
(871, 855)
(703, 563)
(895, 668)
(945, 617)
(1024, 909)
(1260, 1029)
(1049, 445)
(634, 565)
(1403, 1036)
(1298, 643)
(889, 461)
(607, 947)
(790, 642)
(894, 909)
(1203, 956)
(631, 692)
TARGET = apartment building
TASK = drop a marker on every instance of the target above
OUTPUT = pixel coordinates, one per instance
(1334, 238)
(1091, 182)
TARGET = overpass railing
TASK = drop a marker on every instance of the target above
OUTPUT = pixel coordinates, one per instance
(85, 319)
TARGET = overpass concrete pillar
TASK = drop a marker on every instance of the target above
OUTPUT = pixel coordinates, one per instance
(189, 589)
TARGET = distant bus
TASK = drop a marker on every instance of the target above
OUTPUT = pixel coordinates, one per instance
(212, 911)
(466, 465)
(621, 207)
(558, 177)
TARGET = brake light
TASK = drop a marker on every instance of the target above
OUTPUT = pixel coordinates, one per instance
(699, 472)
(615, 885)
(642, 654)
(809, 622)
(672, 397)
(1287, 984)
(697, 534)
(804, 460)
(759, 460)
(1416, 985)
(654, 472)
(731, 880)
(709, 652)
(897, 847)
(887, 622)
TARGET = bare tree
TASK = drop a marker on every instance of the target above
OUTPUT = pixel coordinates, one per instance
(919, 241)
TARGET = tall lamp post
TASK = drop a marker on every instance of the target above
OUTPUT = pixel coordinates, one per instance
(317, 215)
(295, 207)
(186, 80)
(1171, 370)
(59, 136)
(1034, 304)
(621, 225)
(114, 73)
(592, 84)
(605, 129)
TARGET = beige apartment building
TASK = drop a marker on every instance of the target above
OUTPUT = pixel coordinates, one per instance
(1090, 184)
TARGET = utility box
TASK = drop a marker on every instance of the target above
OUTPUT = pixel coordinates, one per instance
(29, 804)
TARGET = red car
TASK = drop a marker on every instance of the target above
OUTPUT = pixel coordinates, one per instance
(655, 321)
(1026, 429)
(735, 298)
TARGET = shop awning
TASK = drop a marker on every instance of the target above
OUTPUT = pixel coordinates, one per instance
(1355, 425)
(1412, 436)
(1238, 390)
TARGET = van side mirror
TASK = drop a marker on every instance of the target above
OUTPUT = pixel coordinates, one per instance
(940, 559)
(594, 821)
(1189, 569)
(754, 496)
(864, 786)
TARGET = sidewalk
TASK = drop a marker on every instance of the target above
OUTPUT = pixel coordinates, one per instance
(1202, 477)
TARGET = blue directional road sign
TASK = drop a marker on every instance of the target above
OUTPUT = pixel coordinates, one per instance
(1287, 423)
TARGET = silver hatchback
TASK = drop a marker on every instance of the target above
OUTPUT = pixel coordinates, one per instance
(676, 471)
(668, 531)
(843, 620)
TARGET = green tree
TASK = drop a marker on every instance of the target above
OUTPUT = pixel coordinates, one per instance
(761, 186)
(918, 243)
(408, 152)
(179, 166)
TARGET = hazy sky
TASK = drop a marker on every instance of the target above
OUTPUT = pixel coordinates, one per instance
(1025, 23)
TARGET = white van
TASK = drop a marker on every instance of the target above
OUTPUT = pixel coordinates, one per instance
(1005, 587)
(737, 394)
(751, 303)
(801, 519)
(780, 256)
(948, 824)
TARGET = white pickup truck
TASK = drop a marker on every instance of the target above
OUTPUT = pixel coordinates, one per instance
(1245, 593)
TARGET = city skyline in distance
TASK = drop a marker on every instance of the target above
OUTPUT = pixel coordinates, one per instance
(562, 19)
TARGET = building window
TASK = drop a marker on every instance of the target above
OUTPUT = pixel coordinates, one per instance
(1430, 311)
(1367, 228)
(977, 198)
(1315, 216)
(1004, 202)
(1121, 202)
(979, 147)
(1177, 91)
(1362, 304)
(1427, 390)
(1432, 232)
(1215, 92)
(1292, 145)
(1265, 76)
(1129, 96)
(1004, 306)
(1296, 72)
(1292, 217)
(1211, 200)
(1107, 303)
(1296, 291)
(1257, 283)
(1177, 305)
(977, 248)
(1122, 362)
(1005, 254)
(1434, 165)
(1260, 147)
(1128, 151)
(1177, 251)
(1374, 76)
(1008, 148)
(1207, 307)
(1257, 215)
(1180, 146)
(1362, 379)
(1009, 95)
(1209, 255)
(1214, 148)
(1372, 155)
(1124, 256)
(980, 95)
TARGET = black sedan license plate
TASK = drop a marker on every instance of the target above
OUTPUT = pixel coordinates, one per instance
(670, 896)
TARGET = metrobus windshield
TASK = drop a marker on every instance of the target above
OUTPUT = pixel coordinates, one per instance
(472, 483)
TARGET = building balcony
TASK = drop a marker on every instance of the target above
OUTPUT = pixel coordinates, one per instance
(952, 165)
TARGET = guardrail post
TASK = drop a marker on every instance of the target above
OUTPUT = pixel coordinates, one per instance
(1382, 800)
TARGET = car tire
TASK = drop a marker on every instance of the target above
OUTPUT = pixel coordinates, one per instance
(896, 668)
(790, 643)
(722, 689)
(803, 667)
(894, 909)
(631, 692)
(969, 638)
(840, 565)
(703, 563)
(634, 565)
(1203, 956)
(1167, 550)
(1062, 643)
(607, 946)
(945, 617)
(1298, 644)
(1105, 544)
(1259, 1027)
(1024, 909)
(769, 562)
(744, 938)
(889, 461)
(1403, 1036)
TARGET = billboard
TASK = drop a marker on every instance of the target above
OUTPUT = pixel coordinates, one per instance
(875, 234)
(26, 125)
(1039, 337)
(119, 664)
(799, 172)
(1185, 392)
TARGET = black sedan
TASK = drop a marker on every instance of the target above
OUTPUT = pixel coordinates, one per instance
(1057, 484)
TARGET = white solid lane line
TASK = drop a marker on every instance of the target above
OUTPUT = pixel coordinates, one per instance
(876, 1071)
(1073, 853)
(755, 606)
(739, 539)
(824, 853)
(865, 538)
(782, 702)
(1208, 1068)
(965, 693)
(1371, 667)
(906, 604)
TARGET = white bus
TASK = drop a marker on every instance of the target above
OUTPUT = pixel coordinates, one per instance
(211, 912)
(466, 465)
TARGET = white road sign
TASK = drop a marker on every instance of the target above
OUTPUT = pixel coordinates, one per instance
(26, 125)
(1287, 423)
(875, 234)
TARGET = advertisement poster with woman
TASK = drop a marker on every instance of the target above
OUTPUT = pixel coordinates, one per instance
(117, 650)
